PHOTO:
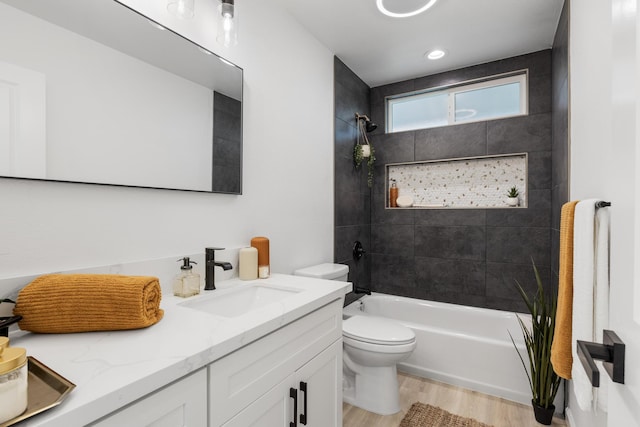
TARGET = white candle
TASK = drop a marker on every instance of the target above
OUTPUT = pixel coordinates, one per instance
(248, 260)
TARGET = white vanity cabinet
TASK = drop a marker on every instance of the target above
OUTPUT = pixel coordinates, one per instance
(261, 383)
(181, 404)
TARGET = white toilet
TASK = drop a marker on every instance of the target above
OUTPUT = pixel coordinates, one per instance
(371, 348)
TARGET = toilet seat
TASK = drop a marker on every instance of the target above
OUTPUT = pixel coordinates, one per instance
(377, 330)
(379, 348)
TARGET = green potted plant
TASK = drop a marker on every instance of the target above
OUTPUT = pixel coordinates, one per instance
(543, 380)
(361, 152)
(512, 196)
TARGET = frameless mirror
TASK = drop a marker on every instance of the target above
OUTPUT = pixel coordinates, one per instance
(93, 92)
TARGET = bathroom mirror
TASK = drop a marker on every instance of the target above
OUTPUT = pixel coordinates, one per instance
(94, 92)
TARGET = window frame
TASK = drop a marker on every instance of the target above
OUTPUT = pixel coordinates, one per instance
(520, 76)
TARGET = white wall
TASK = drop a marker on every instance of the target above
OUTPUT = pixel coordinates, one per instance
(590, 127)
(288, 172)
(603, 96)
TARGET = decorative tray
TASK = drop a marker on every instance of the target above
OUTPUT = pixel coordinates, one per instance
(46, 390)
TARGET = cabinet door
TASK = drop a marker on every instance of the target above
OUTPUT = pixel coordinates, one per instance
(181, 404)
(322, 379)
(240, 378)
(273, 409)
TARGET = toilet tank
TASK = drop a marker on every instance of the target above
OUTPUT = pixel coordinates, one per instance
(325, 271)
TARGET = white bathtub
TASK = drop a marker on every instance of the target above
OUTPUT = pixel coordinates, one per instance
(464, 346)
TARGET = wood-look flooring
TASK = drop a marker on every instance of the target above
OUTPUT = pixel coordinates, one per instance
(490, 410)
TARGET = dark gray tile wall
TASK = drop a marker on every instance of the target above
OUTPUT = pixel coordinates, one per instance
(559, 132)
(469, 257)
(227, 144)
(352, 195)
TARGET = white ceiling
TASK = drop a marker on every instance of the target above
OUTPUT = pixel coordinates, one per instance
(381, 49)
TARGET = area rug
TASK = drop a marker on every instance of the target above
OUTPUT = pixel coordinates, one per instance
(423, 415)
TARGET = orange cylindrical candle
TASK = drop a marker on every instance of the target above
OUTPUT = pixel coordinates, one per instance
(262, 245)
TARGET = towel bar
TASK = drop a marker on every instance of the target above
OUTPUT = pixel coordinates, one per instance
(602, 204)
(611, 352)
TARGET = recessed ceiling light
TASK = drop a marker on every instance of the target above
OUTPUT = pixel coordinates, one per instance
(435, 54)
(404, 14)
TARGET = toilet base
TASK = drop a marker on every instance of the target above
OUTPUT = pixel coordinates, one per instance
(374, 389)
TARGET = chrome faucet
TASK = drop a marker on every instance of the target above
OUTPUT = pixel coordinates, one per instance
(210, 265)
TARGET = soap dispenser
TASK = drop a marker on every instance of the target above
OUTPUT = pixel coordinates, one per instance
(187, 282)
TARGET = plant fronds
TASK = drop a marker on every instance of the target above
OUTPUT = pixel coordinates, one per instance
(543, 380)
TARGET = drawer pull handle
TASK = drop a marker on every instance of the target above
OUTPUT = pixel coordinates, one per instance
(293, 393)
(303, 416)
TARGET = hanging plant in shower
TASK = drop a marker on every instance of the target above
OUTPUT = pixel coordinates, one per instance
(363, 149)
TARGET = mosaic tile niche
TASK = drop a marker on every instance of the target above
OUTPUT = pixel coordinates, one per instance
(466, 183)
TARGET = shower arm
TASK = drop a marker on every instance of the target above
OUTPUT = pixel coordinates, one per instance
(363, 122)
(362, 117)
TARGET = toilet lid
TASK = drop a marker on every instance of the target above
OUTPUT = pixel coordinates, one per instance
(377, 330)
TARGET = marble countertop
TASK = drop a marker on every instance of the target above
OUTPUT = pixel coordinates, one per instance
(113, 369)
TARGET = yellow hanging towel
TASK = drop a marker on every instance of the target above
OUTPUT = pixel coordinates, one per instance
(561, 357)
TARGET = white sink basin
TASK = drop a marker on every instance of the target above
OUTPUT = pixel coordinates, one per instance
(236, 302)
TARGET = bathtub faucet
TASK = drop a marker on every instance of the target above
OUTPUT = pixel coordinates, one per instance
(359, 290)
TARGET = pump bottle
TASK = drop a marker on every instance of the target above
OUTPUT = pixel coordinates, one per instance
(187, 282)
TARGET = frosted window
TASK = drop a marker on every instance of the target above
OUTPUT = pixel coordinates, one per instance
(487, 103)
(489, 99)
(419, 112)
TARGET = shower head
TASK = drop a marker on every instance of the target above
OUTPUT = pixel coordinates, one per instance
(371, 126)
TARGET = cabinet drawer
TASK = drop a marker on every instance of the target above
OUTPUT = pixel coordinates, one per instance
(240, 378)
(183, 403)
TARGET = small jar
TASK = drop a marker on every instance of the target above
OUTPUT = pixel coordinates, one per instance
(13, 380)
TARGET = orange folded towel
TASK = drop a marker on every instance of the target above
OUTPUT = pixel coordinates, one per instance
(561, 358)
(65, 303)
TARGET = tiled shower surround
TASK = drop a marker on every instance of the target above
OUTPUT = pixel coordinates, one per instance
(479, 182)
(463, 256)
(352, 195)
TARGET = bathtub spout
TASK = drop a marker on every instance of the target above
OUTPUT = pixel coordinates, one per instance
(359, 290)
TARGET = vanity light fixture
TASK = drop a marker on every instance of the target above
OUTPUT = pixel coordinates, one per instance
(183, 9)
(227, 23)
(397, 14)
(435, 54)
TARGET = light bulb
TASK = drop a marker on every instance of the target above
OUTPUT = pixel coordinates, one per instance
(227, 24)
(181, 8)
